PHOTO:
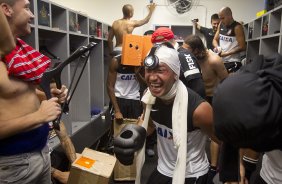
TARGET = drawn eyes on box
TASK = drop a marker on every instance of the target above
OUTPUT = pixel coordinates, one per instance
(136, 46)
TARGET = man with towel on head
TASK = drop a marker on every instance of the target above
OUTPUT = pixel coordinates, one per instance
(180, 136)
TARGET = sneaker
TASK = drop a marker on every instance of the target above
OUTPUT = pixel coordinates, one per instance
(150, 152)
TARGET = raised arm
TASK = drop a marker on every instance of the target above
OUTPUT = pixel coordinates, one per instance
(198, 26)
(7, 43)
(215, 41)
(110, 40)
(138, 23)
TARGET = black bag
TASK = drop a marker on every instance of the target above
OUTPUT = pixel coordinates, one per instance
(248, 106)
(248, 112)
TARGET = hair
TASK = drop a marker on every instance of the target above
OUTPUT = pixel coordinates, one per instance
(149, 32)
(126, 10)
(196, 43)
(9, 2)
(214, 17)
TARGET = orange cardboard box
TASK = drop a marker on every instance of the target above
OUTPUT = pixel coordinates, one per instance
(147, 45)
(135, 49)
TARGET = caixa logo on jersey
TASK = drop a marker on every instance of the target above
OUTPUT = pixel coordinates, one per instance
(226, 38)
(128, 77)
(164, 133)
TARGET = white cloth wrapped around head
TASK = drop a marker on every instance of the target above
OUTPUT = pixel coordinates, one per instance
(169, 56)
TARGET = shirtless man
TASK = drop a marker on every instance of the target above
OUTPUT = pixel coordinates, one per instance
(124, 26)
(24, 156)
(213, 71)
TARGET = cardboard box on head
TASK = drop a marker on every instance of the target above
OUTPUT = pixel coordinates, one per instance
(147, 45)
(135, 49)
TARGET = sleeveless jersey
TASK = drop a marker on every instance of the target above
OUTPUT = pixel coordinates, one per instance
(197, 162)
(126, 85)
(228, 41)
(272, 167)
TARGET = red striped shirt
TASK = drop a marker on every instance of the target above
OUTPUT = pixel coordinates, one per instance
(26, 63)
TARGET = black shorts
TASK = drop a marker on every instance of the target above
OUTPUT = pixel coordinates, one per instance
(157, 177)
(129, 108)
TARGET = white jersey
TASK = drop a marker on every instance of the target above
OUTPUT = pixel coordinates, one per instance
(126, 85)
(228, 41)
(271, 170)
(197, 162)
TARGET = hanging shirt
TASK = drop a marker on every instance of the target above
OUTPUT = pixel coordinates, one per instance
(26, 63)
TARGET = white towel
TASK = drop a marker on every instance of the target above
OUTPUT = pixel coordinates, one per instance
(179, 129)
(140, 159)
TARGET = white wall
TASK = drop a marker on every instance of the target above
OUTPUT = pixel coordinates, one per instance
(109, 10)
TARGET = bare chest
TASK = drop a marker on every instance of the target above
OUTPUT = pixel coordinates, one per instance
(16, 97)
(207, 72)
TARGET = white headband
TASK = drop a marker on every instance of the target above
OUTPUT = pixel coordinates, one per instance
(169, 56)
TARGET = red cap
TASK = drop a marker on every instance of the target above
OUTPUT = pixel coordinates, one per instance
(162, 34)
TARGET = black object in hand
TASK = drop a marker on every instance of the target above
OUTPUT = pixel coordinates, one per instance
(130, 140)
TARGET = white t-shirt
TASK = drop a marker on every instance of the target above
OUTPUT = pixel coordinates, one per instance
(271, 170)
